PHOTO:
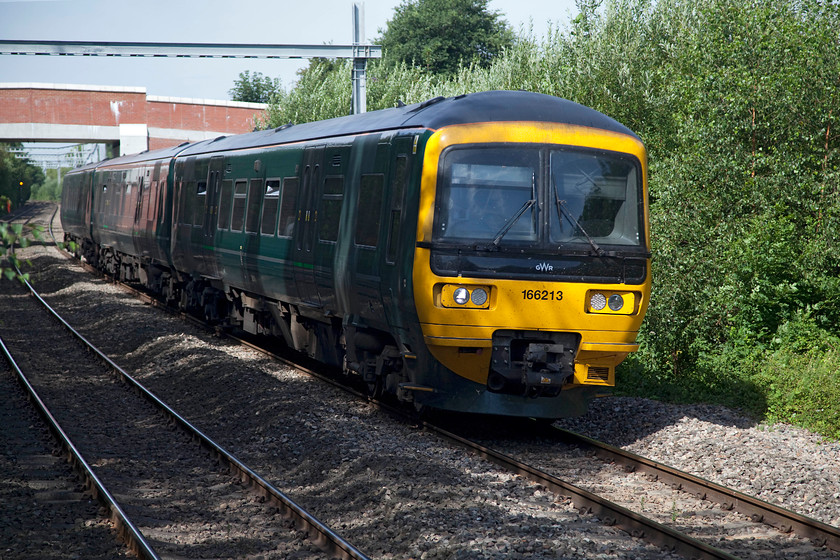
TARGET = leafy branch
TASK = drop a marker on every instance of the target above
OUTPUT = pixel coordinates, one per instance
(12, 235)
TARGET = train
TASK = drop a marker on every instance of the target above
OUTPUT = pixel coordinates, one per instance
(485, 253)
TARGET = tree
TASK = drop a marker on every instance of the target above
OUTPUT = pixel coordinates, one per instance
(17, 176)
(50, 189)
(441, 35)
(322, 92)
(254, 88)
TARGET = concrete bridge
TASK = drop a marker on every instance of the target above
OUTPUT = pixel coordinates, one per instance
(32, 112)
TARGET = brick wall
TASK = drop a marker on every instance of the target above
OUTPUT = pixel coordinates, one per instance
(178, 119)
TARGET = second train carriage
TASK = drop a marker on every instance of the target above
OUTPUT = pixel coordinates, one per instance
(483, 253)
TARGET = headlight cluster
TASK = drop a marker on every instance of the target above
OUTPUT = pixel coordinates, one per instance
(472, 297)
(623, 303)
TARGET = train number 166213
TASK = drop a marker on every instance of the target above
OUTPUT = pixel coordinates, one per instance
(544, 295)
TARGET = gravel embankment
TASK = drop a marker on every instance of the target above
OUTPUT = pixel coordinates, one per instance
(778, 463)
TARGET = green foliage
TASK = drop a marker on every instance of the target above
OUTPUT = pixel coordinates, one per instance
(12, 235)
(800, 379)
(254, 88)
(13, 172)
(738, 105)
(322, 92)
(439, 36)
(50, 189)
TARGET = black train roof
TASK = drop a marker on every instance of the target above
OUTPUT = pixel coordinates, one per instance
(488, 106)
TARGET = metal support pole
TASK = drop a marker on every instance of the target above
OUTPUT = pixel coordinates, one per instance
(359, 77)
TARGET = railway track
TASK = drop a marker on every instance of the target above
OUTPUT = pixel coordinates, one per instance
(711, 522)
(721, 523)
(46, 512)
(651, 531)
(730, 524)
(185, 501)
(785, 521)
(614, 484)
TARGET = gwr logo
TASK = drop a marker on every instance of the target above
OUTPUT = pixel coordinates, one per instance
(544, 267)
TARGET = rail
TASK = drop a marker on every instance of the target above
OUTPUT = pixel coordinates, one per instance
(759, 511)
(319, 533)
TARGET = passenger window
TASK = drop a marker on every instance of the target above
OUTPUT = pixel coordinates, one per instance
(240, 191)
(369, 210)
(252, 221)
(270, 203)
(224, 204)
(287, 206)
(330, 208)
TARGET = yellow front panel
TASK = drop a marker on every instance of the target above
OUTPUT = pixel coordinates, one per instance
(460, 336)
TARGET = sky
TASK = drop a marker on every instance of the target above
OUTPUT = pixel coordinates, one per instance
(205, 21)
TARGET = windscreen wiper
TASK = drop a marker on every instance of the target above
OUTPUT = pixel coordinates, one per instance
(506, 228)
(563, 211)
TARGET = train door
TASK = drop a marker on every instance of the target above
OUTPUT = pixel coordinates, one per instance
(214, 185)
(368, 238)
(396, 272)
(89, 190)
(306, 227)
(151, 214)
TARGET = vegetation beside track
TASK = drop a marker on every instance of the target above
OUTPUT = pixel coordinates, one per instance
(738, 105)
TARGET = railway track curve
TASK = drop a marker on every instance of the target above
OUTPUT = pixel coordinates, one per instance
(668, 545)
(131, 444)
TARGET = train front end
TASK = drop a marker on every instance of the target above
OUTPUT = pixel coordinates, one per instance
(532, 265)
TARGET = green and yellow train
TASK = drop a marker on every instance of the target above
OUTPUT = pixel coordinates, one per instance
(485, 253)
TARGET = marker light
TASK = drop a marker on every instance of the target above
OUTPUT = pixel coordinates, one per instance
(479, 296)
(616, 302)
(613, 303)
(461, 296)
(598, 301)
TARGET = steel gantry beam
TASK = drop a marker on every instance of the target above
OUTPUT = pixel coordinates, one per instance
(357, 52)
(186, 50)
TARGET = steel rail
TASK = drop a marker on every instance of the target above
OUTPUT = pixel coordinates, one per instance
(319, 533)
(612, 514)
(786, 521)
(129, 533)
(587, 502)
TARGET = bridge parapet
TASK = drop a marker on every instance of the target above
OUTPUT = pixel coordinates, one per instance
(33, 112)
